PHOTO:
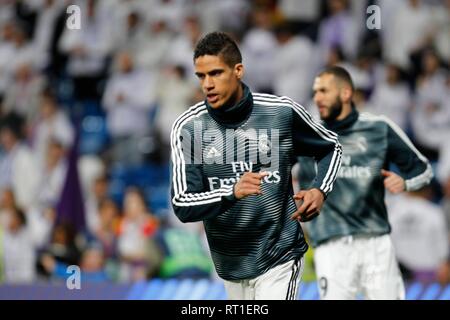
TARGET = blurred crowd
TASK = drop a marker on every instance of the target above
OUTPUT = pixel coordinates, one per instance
(86, 114)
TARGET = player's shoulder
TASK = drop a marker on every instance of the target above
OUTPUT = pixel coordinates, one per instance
(372, 117)
(377, 119)
(271, 100)
(193, 112)
(266, 99)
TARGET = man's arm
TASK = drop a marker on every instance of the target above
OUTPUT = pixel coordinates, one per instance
(191, 198)
(311, 139)
(191, 202)
(415, 168)
(306, 172)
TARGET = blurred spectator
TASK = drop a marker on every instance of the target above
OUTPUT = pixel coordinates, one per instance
(361, 71)
(392, 97)
(431, 115)
(18, 247)
(441, 29)
(181, 48)
(443, 273)
(41, 220)
(208, 13)
(360, 99)
(151, 52)
(52, 174)
(7, 205)
(419, 234)
(339, 29)
(52, 124)
(443, 168)
(107, 229)
(335, 56)
(21, 235)
(25, 12)
(171, 12)
(90, 167)
(88, 48)
(129, 96)
(303, 13)
(357, 9)
(409, 28)
(170, 105)
(23, 50)
(130, 27)
(232, 14)
(22, 95)
(388, 10)
(137, 250)
(62, 246)
(294, 64)
(98, 192)
(92, 266)
(18, 169)
(259, 46)
(47, 30)
(6, 54)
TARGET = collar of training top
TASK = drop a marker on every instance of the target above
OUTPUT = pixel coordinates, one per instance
(232, 116)
(347, 122)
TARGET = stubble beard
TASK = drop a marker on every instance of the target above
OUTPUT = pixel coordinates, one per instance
(335, 111)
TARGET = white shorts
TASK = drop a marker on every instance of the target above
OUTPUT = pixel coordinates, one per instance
(279, 283)
(353, 265)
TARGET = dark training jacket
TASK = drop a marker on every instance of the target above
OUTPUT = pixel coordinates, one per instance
(212, 148)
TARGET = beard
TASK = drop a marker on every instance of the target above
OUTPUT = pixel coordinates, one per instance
(335, 110)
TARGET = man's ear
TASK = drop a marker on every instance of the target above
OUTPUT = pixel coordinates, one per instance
(239, 70)
(346, 94)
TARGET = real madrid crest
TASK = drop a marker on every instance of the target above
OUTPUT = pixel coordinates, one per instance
(264, 144)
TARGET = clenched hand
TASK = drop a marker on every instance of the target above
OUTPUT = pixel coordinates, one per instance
(393, 182)
(310, 207)
(249, 184)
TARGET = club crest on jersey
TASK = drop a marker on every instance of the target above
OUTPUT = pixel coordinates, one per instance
(357, 145)
(264, 144)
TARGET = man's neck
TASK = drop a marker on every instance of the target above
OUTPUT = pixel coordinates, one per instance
(346, 110)
(235, 98)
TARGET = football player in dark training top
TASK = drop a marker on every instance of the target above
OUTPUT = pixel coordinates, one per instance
(353, 250)
(232, 156)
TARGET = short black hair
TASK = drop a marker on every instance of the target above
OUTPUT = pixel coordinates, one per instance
(340, 74)
(219, 44)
